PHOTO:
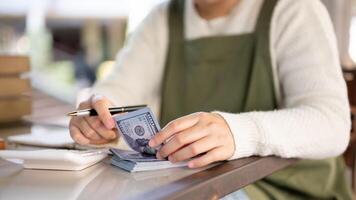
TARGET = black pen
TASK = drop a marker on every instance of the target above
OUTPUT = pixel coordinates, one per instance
(113, 110)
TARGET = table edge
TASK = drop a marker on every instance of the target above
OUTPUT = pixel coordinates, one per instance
(220, 180)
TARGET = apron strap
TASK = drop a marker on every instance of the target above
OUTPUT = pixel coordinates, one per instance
(176, 21)
(265, 17)
(261, 67)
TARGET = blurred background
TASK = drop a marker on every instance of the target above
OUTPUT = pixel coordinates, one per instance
(70, 43)
(73, 43)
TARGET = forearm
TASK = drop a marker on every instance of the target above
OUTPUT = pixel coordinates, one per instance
(306, 131)
(137, 75)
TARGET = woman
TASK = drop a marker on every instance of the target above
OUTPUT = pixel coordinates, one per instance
(236, 78)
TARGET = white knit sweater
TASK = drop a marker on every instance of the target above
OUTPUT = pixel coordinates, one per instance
(313, 118)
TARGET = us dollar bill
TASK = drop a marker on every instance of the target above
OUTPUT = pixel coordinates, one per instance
(134, 156)
(137, 128)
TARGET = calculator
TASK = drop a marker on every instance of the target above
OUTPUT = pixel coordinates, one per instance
(55, 159)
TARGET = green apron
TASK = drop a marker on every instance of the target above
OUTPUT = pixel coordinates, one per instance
(234, 74)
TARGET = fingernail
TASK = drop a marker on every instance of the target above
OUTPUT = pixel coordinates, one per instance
(171, 159)
(112, 136)
(190, 165)
(84, 142)
(113, 123)
(110, 124)
(151, 143)
(159, 156)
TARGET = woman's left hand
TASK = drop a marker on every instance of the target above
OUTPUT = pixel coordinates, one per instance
(204, 134)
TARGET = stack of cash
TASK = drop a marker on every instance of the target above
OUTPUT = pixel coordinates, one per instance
(133, 161)
(137, 128)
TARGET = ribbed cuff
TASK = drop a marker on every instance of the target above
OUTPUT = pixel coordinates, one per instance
(245, 134)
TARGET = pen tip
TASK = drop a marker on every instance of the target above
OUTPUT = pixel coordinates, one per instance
(71, 114)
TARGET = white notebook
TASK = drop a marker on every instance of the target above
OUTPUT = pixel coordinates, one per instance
(43, 149)
(45, 136)
(56, 137)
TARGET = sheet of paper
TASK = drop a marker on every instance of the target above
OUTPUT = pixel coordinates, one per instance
(45, 136)
(56, 137)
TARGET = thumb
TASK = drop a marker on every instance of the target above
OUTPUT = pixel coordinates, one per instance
(101, 105)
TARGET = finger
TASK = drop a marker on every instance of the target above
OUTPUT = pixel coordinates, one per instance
(201, 146)
(174, 127)
(102, 108)
(84, 105)
(182, 139)
(96, 124)
(87, 130)
(98, 142)
(206, 159)
(78, 136)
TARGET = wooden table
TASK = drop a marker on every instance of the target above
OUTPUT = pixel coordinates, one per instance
(350, 154)
(108, 182)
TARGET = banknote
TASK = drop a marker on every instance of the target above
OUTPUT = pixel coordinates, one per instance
(134, 156)
(134, 161)
(137, 128)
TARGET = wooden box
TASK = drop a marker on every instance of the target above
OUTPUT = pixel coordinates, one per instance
(14, 65)
(15, 88)
(14, 108)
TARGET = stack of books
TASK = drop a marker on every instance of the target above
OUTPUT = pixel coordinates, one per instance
(15, 88)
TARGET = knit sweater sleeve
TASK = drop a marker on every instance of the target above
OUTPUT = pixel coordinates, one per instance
(139, 67)
(313, 120)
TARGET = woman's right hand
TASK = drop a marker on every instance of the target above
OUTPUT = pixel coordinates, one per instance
(94, 129)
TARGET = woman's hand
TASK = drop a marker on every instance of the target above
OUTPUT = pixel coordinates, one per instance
(204, 134)
(93, 130)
